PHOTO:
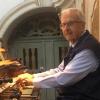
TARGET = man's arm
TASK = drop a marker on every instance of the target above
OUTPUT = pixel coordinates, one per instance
(50, 72)
(82, 64)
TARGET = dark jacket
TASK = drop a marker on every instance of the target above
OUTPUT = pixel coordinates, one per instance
(90, 85)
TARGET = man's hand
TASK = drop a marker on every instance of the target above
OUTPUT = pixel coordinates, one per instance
(24, 79)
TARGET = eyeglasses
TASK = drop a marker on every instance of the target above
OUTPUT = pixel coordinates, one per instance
(69, 24)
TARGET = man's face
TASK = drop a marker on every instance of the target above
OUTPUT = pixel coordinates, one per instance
(71, 27)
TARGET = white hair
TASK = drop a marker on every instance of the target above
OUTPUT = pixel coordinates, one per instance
(76, 12)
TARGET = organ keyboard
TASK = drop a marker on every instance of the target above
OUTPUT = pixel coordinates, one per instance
(12, 91)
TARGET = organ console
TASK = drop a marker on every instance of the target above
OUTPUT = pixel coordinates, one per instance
(10, 89)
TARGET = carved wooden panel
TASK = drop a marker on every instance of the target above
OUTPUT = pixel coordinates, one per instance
(95, 19)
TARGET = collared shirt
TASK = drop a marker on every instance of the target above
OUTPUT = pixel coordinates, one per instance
(79, 67)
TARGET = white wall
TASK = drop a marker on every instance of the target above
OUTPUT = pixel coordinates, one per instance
(79, 4)
(7, 5)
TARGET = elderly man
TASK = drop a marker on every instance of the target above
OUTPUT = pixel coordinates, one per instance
(78, 75)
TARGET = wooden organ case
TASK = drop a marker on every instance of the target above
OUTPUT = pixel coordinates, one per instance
(9, 88)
